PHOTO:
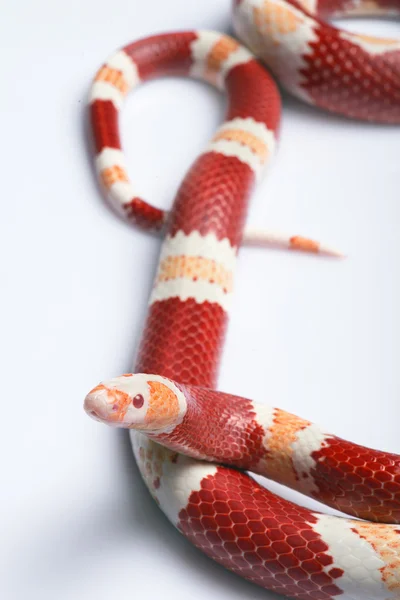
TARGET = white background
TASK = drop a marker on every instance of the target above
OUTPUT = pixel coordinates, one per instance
(318, 337)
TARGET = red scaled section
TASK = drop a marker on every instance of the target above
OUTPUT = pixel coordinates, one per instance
(167, 54)
(143, 214)
(252, 93)
(342, 77)
(214, 197)
(104, 119)
(227, 431)
(183, 340)
(260, 536)
(358, 480)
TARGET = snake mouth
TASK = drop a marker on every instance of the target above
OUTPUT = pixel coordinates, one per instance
(94, 414)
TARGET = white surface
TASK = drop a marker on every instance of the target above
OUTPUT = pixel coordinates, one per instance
(317, 337)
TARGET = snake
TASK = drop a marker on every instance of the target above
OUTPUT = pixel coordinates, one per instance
(196, 447)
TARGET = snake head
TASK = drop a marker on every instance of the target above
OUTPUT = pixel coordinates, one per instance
(137, 401)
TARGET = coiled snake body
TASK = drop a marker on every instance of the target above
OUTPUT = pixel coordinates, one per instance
(179, 424)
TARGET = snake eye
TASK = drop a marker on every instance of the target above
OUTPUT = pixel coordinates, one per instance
(138, 401)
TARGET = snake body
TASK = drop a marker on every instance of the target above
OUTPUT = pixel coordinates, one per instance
(210, 425)
(171, 405)
(351, 74)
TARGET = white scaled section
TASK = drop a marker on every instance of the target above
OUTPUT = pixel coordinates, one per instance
(189, 246)
(238, 57)
(122, 62)
(121, 192)
(308, 440)
(255, 156)
(264, 415)
(176, 477)
(259, 130)
(263, 237)
(206, 246)
(280, 35)
(201, 48)
(362, 577)
(110, 157)
(201, 291)
(101, 90)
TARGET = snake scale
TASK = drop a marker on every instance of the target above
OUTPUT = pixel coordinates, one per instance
(193, 444)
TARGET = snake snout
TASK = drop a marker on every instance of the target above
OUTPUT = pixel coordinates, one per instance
(96, 404)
